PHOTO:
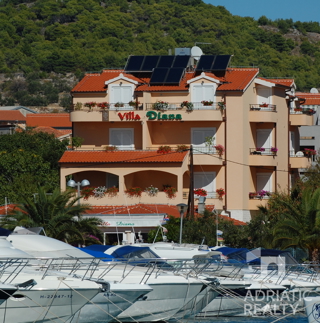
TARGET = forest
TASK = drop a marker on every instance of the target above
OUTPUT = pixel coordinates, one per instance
(47, 46)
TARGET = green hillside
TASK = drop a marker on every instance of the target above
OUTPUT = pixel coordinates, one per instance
(74, 36)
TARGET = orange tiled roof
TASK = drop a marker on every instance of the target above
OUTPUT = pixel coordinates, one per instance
(50, 130)
(54, 120)
(284, 82)
(95, 82)
(131, 156)
(149, 209)
(310, 98)
(235, 79)
(12, 115)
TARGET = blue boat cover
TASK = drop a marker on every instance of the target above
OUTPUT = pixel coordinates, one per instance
(134, 252)
(97, 254)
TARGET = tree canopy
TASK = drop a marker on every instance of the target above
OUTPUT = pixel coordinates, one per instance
(38, 38)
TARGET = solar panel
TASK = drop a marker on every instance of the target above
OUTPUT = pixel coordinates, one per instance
(159, 75)
(149, 63)
(166, 61)
(205, 63)
(174, 76)
(181, 61)
(221, 62)
(134, 63)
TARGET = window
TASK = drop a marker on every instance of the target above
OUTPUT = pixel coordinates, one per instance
(123, 138)
(112, 180)
(264, 95)
(207, 181)
(121, 94)
(203, 92)
(200, 138)
(264, 182)
(264, 140)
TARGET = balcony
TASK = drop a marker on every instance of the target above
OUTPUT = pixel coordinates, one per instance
(301, 117)
(211, 198)
(262, 156)
(258, 198)
(300, 159)
(263, 113)
(197, 111)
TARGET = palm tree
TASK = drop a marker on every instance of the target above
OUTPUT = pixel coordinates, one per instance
(58, 213)
(299, 222)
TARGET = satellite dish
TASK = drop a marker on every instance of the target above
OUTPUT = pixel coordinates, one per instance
(196, 52)
(299, 154)
(313, 90)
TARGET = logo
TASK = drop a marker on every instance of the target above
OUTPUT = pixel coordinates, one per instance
(129, 116)
(316, 311)
(152, 115)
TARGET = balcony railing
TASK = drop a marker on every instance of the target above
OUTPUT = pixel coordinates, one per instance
(306, 111)
(263, 107)
(210, 195)
(263, 151)
(177, 106)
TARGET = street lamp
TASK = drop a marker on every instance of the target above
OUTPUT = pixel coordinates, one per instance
(182, 208)
(72, 183)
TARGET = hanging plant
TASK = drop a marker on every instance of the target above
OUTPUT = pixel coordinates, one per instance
(170, 191)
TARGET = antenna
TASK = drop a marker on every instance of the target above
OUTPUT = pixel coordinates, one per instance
(196, 52)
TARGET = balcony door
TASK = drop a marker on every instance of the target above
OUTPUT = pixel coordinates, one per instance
(205, 180)
(200, 138)
(264, 140)
(203, 92)
(264, 182)
(121, 94)
(123, 138)
(264, 95)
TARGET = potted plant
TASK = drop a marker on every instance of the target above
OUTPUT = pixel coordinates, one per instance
(103, 105)
(274, 150)
(221, 192)
(134, 191)
(207, 103)
(90, 105)
(263, 105)
(161, 105)
(86, 192)
(252, 195)
(151, 190)
(182, 148)
(112, 191)
(134, 103)
(298, 109)
(220, 149)
(200, 192)
(221, 106)
(309, 152)
(111, 148)
(263, 193)
(260, 149)
(170, 191)
(164, 150)
(188, 105)
(119, 105)
(99, 192)
(77, 106)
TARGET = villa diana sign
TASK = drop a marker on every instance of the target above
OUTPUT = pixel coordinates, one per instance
(151, 115)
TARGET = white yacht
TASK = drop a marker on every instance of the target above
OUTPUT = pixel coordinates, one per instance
(170, 292)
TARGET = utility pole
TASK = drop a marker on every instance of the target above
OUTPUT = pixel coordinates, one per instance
(191, 187)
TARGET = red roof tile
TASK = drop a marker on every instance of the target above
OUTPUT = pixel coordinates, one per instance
(149, 209)
(54, 120)
(132, 156)
(12, 115)
(310, 98)
(50, 130)
(235, 79)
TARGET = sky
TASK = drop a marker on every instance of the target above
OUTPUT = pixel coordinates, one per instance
(302, 10)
